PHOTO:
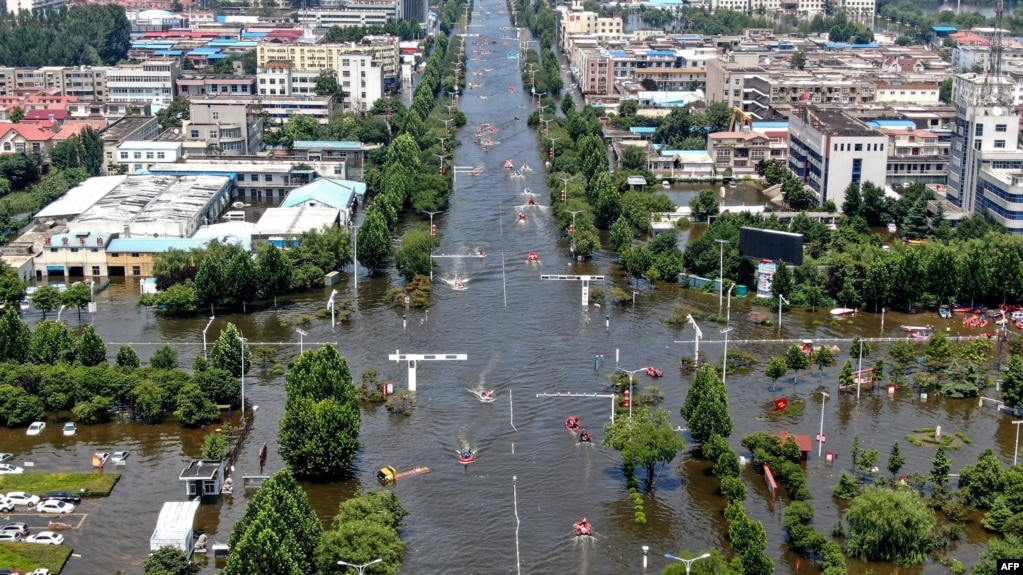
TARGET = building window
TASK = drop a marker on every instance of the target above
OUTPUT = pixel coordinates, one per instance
(149, 155)
(136, 155)
(999, 143)
(194, 133)
(216, 115)
(858, 148)
(160, 155)
(95, 270)
(978, 130)
(268, 177)
(241, 177)
(112, 254)
(124, 155)
(136, 270)
(1001, 128)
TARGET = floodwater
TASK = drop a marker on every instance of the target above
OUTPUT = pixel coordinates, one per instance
(512, 510)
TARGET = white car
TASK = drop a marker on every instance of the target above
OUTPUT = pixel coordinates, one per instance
(55, 506)
(10, 537)
(6, 468)
(70, 429)
(6, 504)
(40, 571)
(46, 538)
(23, 498)
(119, 456)
(5, 457)
(36, 428)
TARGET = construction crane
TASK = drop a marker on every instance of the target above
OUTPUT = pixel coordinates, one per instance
(740, 120)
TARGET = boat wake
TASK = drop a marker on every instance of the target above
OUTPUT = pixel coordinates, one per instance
(457, 283)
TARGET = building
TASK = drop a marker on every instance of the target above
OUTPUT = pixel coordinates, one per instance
(285, 226)
(138, 156)
(135, 257)
(414, 11)
(223, 126)
(256, 179)
(341, 195)
(30, 5)
(151, 82)
(914, 155)
(203, 479)
(198, 86)
(595, 72)
(738, 153)
(16, 138)
(279, 78)
(74, 254)
(923, 93)
(829, 150)
(126, 129)
(383, 51)
(174, 527)
(361, 81)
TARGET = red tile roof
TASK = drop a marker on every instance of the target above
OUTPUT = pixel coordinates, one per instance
(27, 131)
(802, 440)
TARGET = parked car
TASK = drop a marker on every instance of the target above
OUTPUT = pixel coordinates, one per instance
(46, 538)
(6, 468)
(5, 457)
(62, 496)
(23, 498)
(36, 428)
(70, 429)
(40, 571)
(55, 506)
(18, 526)
(119, 456)
(10, 537)
(6, 504)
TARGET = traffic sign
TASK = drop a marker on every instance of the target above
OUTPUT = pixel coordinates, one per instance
(821, 438)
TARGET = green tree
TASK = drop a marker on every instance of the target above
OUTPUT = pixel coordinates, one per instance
(77, 296)
(945, 91)
(15, 337)
(194, 408)
(781, 284)
(798, 60)
(940, 467)
(126, 357)
(360, 542)
(327, 85)
(749, 539)
(51, 343)
(846, 488)
(165, 357)
(275, 272)
(46, 299)
(704, 205)
(938, 350)
(17, 114)
(822, 358)
(96, 410)
(981, 482)
(147, 401)
(210, 283)
(91, 349)
(214, 446)
(279, 501)
(218, 385)
(796, 359)
(1012, 380)
(166, 561)
(373, 239)
(895, 460)
(916, 226)
(889, 525)
(776, 369)
(177, 111)
(646, 440)
(228, 350)
(319, 433)
(18, 407)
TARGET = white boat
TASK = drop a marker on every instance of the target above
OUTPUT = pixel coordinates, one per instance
(665, 184)
(842, 312)
(912, 328)
(892, 228)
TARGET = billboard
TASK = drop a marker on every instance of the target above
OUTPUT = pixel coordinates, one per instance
(771, 245)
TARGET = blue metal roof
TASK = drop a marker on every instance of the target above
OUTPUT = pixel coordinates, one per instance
(642, 130)
(332, 192)
(770, 125)
(253, 34)
(944, 29)
(327, 145)
(205, 51)
(154, 245)
(168, 52)
(217, 56)
(689, 38)
(660, 52)
(891, 124)
(844, 46)
(618, 53)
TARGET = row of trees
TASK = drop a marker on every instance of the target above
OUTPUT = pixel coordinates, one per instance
(226, 275)
(82, 150)
(50, 369)
(405, 29)
(88, 35)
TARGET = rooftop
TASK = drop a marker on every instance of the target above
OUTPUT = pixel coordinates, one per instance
(201, 469)
(124, 127)
(295, 221)
(326, 145)
(268, 166)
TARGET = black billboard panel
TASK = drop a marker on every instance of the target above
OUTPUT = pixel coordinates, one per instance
(773, 245)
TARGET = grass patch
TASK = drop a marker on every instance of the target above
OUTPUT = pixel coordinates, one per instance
(89, 484)
(795, 407)
(928, 435)
(30, 556)
(964, 437)
(913, 439)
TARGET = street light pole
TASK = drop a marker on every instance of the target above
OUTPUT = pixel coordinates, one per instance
(630, 372)
(781, 300)
(360, 569)
(820, 436)
(565, 189)
(204, 356)
(688, 562)
(859, 372)
(1015, 451)
(431, 214)
(721, 273)
(330, 305)
(442, 140)
(301, 340)
(724, 363)
(241, 342)
(60, 311)
(728, 314)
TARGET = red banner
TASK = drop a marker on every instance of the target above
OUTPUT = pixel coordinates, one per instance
(781, 403)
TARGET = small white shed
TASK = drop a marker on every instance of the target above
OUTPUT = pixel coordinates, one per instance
(174, 527)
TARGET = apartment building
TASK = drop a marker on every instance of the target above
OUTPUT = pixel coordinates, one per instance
(361, 81)
(914, 155)
(222, 126)
(125, 129)
(30, 5)
(896, 92)
(383, 50)
(139, 156)
(594, 70)
(829, 150)
(280, 78)
(575, 20)
(197, 86)
(738, 153)
(151, 82)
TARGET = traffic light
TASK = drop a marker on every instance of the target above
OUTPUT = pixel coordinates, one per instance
(628, 397)
(564, 196)
(552, 152)
(433, 229)
(571, 229)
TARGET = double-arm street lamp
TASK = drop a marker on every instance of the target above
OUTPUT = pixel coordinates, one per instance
(688, 562)
(631, 377)
(204, 330)
(241, 343)
(360, 569)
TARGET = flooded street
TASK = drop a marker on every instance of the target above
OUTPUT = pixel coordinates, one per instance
(523, 336)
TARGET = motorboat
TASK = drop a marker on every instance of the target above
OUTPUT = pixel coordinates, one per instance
(572, 423)
(529, 192)
(892, 228)
(533, 257)
(485, 395)
(516, 174)
(526, 168)
(842, 312)
(466, 456)
(583, 528)
(480, 254)
(522, 217)
(531, 202)
(912, 328)
(962, 309)
(585, 436)
(653, 371)
(665, 184)
(945, 312)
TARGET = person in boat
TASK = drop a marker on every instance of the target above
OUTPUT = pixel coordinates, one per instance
(480, 253)
(465, 453)
(572, 422)
(531, 202)
(584, 436)
(583, 527)
(486, 394)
